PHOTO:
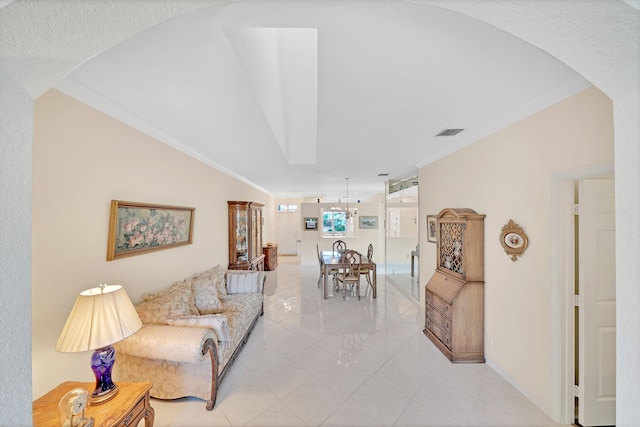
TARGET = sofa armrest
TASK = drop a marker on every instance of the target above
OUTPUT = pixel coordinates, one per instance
(167, 342)
(242, 282)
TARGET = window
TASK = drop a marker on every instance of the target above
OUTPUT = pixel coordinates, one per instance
(335, 223)
(287, 208)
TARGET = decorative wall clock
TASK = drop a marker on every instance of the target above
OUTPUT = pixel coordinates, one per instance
(513, 240)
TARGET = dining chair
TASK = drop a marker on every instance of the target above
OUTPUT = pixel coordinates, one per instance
(332, 271)
(349, 274)
(321, 265)
(339, 246)
(366, 270)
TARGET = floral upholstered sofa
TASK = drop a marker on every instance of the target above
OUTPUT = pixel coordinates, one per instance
(191, 333)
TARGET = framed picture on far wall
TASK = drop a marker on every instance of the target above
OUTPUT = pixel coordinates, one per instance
(432, 228)
(368, 222)
(311, 223)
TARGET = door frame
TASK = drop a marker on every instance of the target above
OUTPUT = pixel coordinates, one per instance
(563, 325)
(295, 220)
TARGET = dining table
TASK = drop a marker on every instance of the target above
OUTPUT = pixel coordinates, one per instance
(331, 260)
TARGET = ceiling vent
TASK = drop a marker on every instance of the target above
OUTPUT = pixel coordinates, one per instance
(449, 132)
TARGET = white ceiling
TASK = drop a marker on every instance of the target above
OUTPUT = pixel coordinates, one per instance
(293, 97)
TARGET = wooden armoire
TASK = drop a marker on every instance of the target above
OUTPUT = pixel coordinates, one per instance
(454, 296)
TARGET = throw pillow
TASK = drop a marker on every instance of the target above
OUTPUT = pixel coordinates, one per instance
(217, 275)
(164, 307)
(218, 279)
(180, 287)
(218, 322)
(206, 294)
(241, 283)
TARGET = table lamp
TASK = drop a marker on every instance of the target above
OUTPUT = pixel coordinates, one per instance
(100, 317)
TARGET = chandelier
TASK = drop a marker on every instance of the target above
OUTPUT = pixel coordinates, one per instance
(348, 213)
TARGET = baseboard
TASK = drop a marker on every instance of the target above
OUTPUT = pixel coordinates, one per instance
(518, 386)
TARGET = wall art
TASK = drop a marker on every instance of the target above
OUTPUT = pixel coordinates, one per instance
(137, 228)
(432, 228)
(369, 222)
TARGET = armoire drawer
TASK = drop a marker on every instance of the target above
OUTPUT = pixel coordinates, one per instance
(437, 331)
(446, 340)
(446, 324)
(436, 316)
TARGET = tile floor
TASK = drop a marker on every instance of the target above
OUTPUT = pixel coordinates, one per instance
(335, 362)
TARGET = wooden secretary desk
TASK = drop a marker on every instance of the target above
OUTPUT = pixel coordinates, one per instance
(245, 236)
(454, 296)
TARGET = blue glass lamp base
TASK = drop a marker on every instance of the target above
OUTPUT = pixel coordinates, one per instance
(102, 362)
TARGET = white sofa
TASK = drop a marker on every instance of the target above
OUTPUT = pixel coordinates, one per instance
(191, 333)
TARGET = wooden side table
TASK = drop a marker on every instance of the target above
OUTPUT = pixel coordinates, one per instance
(270, 257)
(127, 408)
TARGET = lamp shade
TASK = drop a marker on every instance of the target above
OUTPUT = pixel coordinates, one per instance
(100, 317)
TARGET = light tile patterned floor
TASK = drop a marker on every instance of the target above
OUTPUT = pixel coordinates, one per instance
(335, 362)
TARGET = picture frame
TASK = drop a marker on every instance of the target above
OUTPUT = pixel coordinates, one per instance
(311, 223)
(369, 222)
(432, 228)
(137, 228)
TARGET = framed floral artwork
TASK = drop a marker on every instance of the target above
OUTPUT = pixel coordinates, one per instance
(432, 228)
(137, 228)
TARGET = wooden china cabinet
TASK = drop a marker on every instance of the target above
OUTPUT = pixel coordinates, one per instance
(245, 236)
(454, 296)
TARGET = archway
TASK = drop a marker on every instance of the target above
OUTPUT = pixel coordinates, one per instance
(589, 43)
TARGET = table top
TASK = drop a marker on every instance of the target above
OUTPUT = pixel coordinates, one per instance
(334, 257)
(331, 257)
(45, 408)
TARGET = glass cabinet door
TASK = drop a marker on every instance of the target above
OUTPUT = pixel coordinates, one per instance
(238, 235)
(245, 234)
(256, 231)
(242, 226)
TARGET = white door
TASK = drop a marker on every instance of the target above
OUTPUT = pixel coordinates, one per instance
(597, 311)
(288, 233)
(394, 223)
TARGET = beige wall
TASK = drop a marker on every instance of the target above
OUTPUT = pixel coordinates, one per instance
(506, 176)
(82, 159)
